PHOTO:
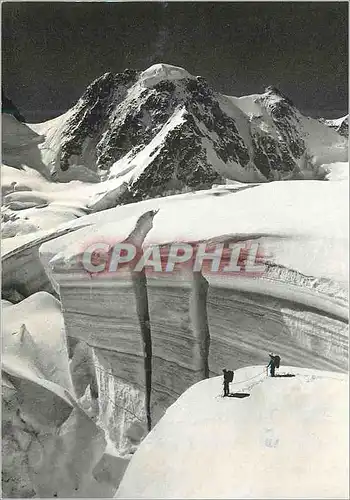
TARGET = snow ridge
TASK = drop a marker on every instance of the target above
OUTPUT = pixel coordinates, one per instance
(341, 125)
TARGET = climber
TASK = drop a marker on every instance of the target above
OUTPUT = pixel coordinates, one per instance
(228, 377)
(273, 364)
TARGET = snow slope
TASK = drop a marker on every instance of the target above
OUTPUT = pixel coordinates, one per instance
(273, 211)
(20, 145)
(289, 438)
(337, 171)
(31, 203)
(35, 146)
(45, 354)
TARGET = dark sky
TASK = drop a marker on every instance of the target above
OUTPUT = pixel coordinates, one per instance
(52, 51)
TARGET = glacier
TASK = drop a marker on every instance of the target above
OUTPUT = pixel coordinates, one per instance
(154, 336)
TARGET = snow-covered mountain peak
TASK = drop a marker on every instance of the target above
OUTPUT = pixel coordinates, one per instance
(274, 92)
(163, 130)
(277, 104)
(272, 103)
(159, 72)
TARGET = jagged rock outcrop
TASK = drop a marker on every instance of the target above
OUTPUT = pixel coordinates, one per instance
(343, 129)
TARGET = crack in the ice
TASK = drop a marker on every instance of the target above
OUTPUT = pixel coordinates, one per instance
(143, 225)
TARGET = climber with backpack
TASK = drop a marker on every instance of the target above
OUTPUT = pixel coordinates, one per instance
(274, 363)
(228, 377)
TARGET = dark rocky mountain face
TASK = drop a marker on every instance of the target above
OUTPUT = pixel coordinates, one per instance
(177, 133)
(92, 112)
(275, 156)
(344, 128)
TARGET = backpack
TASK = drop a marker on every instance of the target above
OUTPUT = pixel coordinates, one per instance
(229, 376)
(277, 361)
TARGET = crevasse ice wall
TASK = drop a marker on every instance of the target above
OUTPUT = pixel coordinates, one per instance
(153, 336)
